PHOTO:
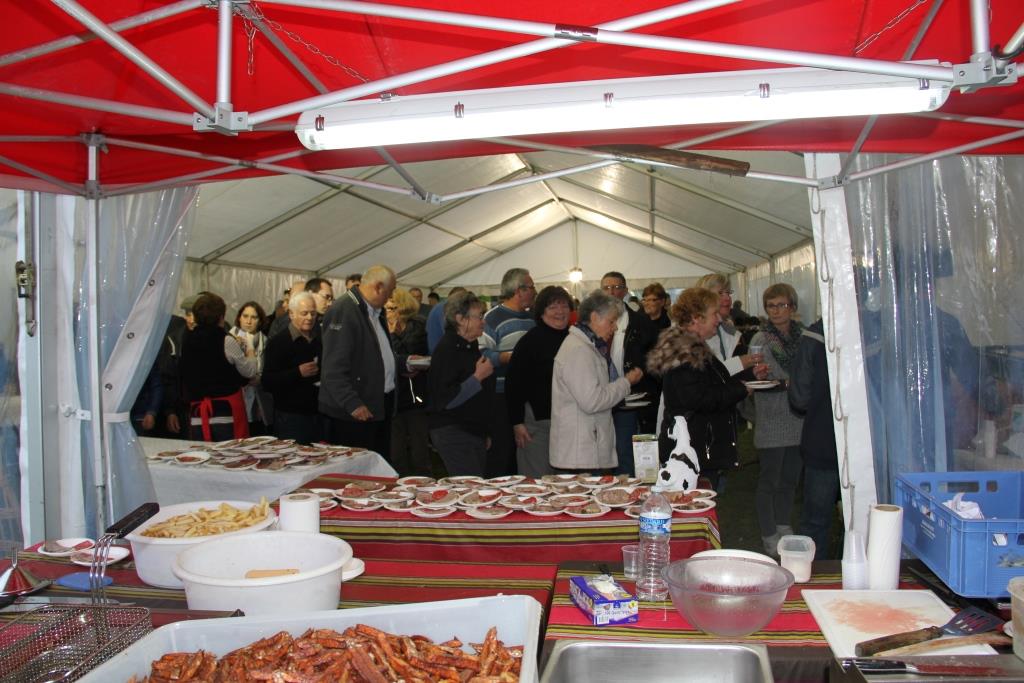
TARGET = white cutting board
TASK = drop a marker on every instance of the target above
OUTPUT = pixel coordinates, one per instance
(850, 617)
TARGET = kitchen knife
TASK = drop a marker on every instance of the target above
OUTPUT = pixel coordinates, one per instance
(871, 665)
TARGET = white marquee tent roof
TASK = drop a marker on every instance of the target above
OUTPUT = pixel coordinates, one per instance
(663, 224)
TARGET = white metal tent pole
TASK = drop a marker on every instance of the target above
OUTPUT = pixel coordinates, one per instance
(619, 37)
(524, 181)
(100, 462)
(112, 38)
(844, 348)
(57, 182)
(924, 158)
(979, 27)
(328, 178)
(224, 17)
(476, 61)
(984, 120)
(119, 25)
(122, 108)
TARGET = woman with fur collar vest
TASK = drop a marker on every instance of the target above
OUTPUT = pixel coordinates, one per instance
(697, 385)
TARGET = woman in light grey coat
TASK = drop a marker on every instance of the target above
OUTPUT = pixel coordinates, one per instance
(585, 387)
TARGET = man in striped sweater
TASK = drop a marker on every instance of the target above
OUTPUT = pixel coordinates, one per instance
(504, 326)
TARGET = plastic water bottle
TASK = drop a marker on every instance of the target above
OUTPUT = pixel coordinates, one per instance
(655, 532)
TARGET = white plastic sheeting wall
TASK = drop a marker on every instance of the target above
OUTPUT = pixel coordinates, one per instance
(938, 256)
(795, 267)
(10, 398)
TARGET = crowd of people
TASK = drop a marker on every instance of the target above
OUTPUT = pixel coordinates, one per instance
(538, 383)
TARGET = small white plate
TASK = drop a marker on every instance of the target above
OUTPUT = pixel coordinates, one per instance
(757, 385)
(599, 482)
(609, 496)
(514, 502)
(422, 363)
(230, 443)
(694, 507)
(569, 500)
(604, 510)
(325, 494)
(1008, 628)
(431, 513)
(416, 481)
(633, 511)
(704, 493)
(558, 478)
(637, 404)
(84, 558)
(352, 569)
(327, 504)
(488, 512)
(357, 491)
(69, 544)
(464, 480)
(636, 396)
(363, 505)
(391, 496)
(401, 505)
(480, 498)
(257, 440)
(542, 513)
(502, 482)
(192, 458)
(529, 490)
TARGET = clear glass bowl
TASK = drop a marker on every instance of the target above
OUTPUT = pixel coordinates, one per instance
(727, 596)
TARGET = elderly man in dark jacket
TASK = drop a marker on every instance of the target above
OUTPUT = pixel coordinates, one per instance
(359, 370)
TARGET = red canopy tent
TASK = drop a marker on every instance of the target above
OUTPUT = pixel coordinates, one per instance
(41, 147)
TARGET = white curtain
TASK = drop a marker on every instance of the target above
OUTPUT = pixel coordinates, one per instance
(142, 244)
(10, 398)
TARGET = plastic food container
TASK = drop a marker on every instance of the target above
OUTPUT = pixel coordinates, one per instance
(213, 572)
(154, 556)
(516, 616)
(796, 553)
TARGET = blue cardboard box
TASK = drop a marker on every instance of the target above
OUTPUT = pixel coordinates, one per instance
(604, 600)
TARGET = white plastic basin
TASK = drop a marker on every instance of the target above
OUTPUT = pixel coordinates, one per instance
(213, 572)
(154, 556)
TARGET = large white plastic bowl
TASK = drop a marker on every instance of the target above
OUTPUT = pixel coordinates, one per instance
(213, 572)
(154, 556)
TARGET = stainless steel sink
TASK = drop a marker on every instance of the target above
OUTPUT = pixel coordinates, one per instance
(575, 661)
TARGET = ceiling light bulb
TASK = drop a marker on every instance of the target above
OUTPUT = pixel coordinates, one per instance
(575, 275)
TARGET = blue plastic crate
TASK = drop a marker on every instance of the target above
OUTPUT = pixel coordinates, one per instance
(974, 557)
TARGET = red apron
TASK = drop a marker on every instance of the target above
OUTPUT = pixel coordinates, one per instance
(203, 409)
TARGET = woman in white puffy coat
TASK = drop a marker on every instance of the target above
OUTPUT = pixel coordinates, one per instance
(585, 387)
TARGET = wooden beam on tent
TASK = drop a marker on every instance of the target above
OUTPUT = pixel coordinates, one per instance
(501, 252)
(401, 230)
(693, 250)
(472, 238)
(665, 217)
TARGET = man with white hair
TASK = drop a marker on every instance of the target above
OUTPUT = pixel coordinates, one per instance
(291, 373)
(280, 323)
(359, 369)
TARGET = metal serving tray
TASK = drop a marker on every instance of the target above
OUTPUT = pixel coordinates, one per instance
(573, 661)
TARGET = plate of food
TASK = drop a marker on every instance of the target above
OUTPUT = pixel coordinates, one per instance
(569, 500)
(633, 511)
(465, 480)
(558, 478)
(360, 490)
(618, 496)
(361, 504)
(192, 458)
(401, 505)
(244, 464)
(438, 497)
(543, 510)
(572, 488)
(703, 493)
(115, 554)
(419, 363)
(502, 482)
(591, 509)
(598, 482)
(529, 490)
(514, 502)
(63, 547)
(416, 481)
(694, 506)
(392, 496)
(327, 504)
(431, 513)
(480, 497)
(488, 512)
(758, 385)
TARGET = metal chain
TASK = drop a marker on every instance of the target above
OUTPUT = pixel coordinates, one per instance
(250, 35)
(892, 23)
(330, 59)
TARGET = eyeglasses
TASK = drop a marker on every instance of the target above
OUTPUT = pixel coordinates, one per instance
(473, 316)
(726, 292)
(533, 287)
(777, 307)
(391, 308)
(613, 288)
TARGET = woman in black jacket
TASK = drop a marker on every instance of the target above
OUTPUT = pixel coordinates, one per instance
(461, 389)
(696, 385)
(410, 453)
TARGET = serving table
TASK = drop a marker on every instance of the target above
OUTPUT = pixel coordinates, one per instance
(385, 582)
(796, 647)
(186, 483)
(517, 538)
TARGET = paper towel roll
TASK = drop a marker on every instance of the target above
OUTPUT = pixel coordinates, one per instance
(885, 542)
(300, 512)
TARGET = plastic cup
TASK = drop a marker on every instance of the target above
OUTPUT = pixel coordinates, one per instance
(855, 562)
(757, 350)
(631, 561)
(796, 554)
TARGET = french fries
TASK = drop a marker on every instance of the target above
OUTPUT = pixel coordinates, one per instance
(205, 522)
(360, 653)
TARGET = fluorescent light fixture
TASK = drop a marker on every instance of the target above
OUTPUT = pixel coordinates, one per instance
(616, 104)
(576, 275)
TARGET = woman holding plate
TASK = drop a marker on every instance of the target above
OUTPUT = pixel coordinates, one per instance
(777, 427)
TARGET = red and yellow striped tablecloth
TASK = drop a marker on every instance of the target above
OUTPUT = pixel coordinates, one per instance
(518, 538)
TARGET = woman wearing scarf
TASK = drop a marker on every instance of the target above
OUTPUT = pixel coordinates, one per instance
(585, 387)
(777, 428)
(247, 330)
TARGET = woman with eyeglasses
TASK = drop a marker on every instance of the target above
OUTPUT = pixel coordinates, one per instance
(726, 339)
(777, 427)
(461, 386)
(410, 454)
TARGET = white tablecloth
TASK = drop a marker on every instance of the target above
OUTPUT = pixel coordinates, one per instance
(184, 484)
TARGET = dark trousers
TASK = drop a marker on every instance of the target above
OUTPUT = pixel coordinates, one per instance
(410, 449)
(305, 429)
(821, 491)
(625, 427)
(501, 458)
(374, 435)
(463, 452)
